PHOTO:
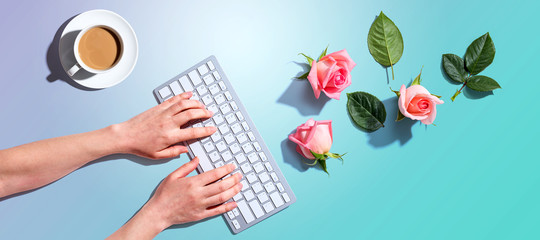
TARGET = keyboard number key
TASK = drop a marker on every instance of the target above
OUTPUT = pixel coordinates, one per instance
(257, 210)
(210, 65)
(228, 95)
(268, 207)
(246, 213)
(222, 85)
(236, 224)
(286, 197)
(276, 199)
(280, 187)
(202, 69)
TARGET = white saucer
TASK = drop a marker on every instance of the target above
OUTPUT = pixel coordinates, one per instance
(130, 48)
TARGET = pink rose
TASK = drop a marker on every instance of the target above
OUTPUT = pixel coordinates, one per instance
(313, 135)
(417, 103)
(331, 74)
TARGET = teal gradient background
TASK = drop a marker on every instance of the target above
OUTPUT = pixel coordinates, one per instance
(473, 176)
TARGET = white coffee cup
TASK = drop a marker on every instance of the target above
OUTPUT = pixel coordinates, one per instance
(80, 63)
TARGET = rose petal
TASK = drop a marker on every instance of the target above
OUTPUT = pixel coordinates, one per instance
(431, 116)
(326, 70)
(314, 80)
(342, 55)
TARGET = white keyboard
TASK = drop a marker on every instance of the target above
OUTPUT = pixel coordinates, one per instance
(265, 190)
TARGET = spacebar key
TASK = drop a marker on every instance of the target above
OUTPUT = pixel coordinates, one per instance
(199, 152)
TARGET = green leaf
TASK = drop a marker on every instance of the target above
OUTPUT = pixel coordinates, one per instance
(323, 165)
(455, 95)
(385, 42)
(400, 116)
(436, 95)
(309, 59)
(366, 110)
(480, 54)
(396, 92)
(417, 80)
(482, 83)
(454, 67)
(323, 53)
(304, 76)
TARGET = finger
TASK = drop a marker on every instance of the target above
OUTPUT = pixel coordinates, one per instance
(224, 196)
(171, 151)
(222, 186)
(179, 97)
(195, 132)
(215, 174)
(185, 169)
(183, 105)
(191, 114)
(220, 209)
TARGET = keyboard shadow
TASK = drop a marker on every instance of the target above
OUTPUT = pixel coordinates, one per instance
(300, 95)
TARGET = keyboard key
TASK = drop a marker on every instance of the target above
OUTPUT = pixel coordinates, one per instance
(248, 195)
(251, 136)
(257, 146)
(237, 197)
(210, 65)
(268, 207)
(257, 210)
(201, 90)
(258, 167)
(231, 215)
(219, 99)
(263, 197)
(216, 75)
(209, 124)
(251, 177)
(202, 69)
(246, 213)
(236, 224)
(253, 157)
(223, 129)
(280, 187)
(286, 197)
(230, 118)
(226, 155)
(234, 106)
(228, 95)
(207, 99)
(246, 168)
(247, 147)
(268, 166)
(245, 185)
(276, 199)
(236, 128)
(257, 187)
(175, 86)
(218, 119)
(208, 79)
(229, 138)
(240, 158)
(225, 108)
(236, 212)
(240, 116)
(214, 156)
(245, 126)
(198, 151)
(221, 146)
(222, 85)
(263, 156)
(274, 177)
(215, 136)
(194, 96)
(195, 79)
(165, 92)
(264, 177)
(167, 98)
(270, 187)
(213, 108)
(241, 137)
(209, 146)
(214, 88)
(186, 84)
(220, 164)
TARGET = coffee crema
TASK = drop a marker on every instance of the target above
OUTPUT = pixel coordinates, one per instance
(100, 48)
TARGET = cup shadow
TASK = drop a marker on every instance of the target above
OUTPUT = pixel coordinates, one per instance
(300, 95)
(62, 48)
(392, 131)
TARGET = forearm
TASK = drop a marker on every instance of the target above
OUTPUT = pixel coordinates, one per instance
(36, 164)
(146, 224)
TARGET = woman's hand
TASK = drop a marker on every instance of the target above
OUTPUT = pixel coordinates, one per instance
(180, 199)
(153, 133)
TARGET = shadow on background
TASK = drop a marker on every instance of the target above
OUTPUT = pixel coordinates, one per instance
(392, 130)
(290, 156)
(62, 48)
(300, 95)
